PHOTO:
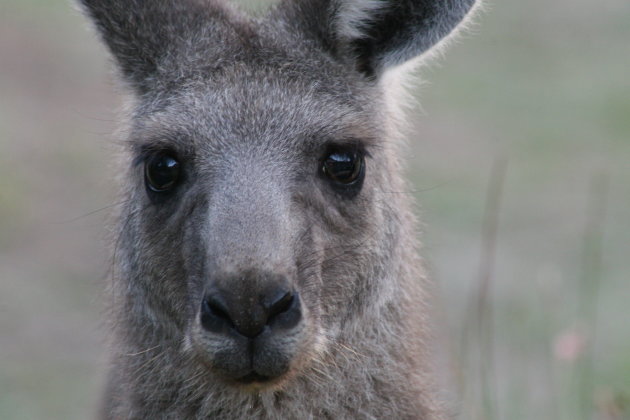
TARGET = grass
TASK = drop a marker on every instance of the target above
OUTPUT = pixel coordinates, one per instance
(554, 105)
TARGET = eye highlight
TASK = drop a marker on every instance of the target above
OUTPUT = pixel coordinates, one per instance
(162, 172)
(344, 168)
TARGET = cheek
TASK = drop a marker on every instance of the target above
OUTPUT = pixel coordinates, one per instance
(193, 266)
(166, 257)
(349, 271)
(336, 255)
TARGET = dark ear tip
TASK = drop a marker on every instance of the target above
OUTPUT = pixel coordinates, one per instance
(407, 30)
(128, 29)
(376, 35)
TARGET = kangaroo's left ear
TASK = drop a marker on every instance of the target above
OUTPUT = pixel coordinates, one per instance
(375, 34)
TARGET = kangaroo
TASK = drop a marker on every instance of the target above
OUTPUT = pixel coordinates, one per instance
(264, 266)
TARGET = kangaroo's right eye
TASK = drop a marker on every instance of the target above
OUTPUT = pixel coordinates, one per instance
(162, 172)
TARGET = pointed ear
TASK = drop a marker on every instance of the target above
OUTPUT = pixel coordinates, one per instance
(147, 36)
(376, 34)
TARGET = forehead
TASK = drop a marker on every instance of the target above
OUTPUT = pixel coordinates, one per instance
(246, 105)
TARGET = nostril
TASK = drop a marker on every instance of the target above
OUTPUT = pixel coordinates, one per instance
(282, 304)
(285, 312)
(249, 314)
(217, 309)
(214, 315)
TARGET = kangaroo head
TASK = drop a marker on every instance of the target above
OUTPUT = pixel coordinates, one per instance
(257, 225)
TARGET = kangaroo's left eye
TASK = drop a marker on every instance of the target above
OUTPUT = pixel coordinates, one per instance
(343, 167)
(162, 172)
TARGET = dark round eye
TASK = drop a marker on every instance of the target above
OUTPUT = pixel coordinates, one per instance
(344, 167)
(162, 172)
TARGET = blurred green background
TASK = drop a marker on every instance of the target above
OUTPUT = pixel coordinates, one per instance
(538, 90)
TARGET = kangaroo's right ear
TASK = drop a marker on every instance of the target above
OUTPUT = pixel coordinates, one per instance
(148, 36)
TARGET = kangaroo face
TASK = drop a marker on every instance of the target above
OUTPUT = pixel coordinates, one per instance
(261, 226)
(257, 203)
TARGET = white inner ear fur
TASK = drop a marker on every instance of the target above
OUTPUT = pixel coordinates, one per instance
(398, 81)
(354, 16)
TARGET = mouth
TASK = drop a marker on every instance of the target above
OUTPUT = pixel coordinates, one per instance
(242, 363)
(251, 362)
(254, 378)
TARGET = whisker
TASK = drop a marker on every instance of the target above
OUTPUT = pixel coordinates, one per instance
(143, 351)
(91, 213)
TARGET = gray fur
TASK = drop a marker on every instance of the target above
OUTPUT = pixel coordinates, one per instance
(250, 106)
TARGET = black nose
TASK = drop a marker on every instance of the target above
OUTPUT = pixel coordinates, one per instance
(250, 313)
